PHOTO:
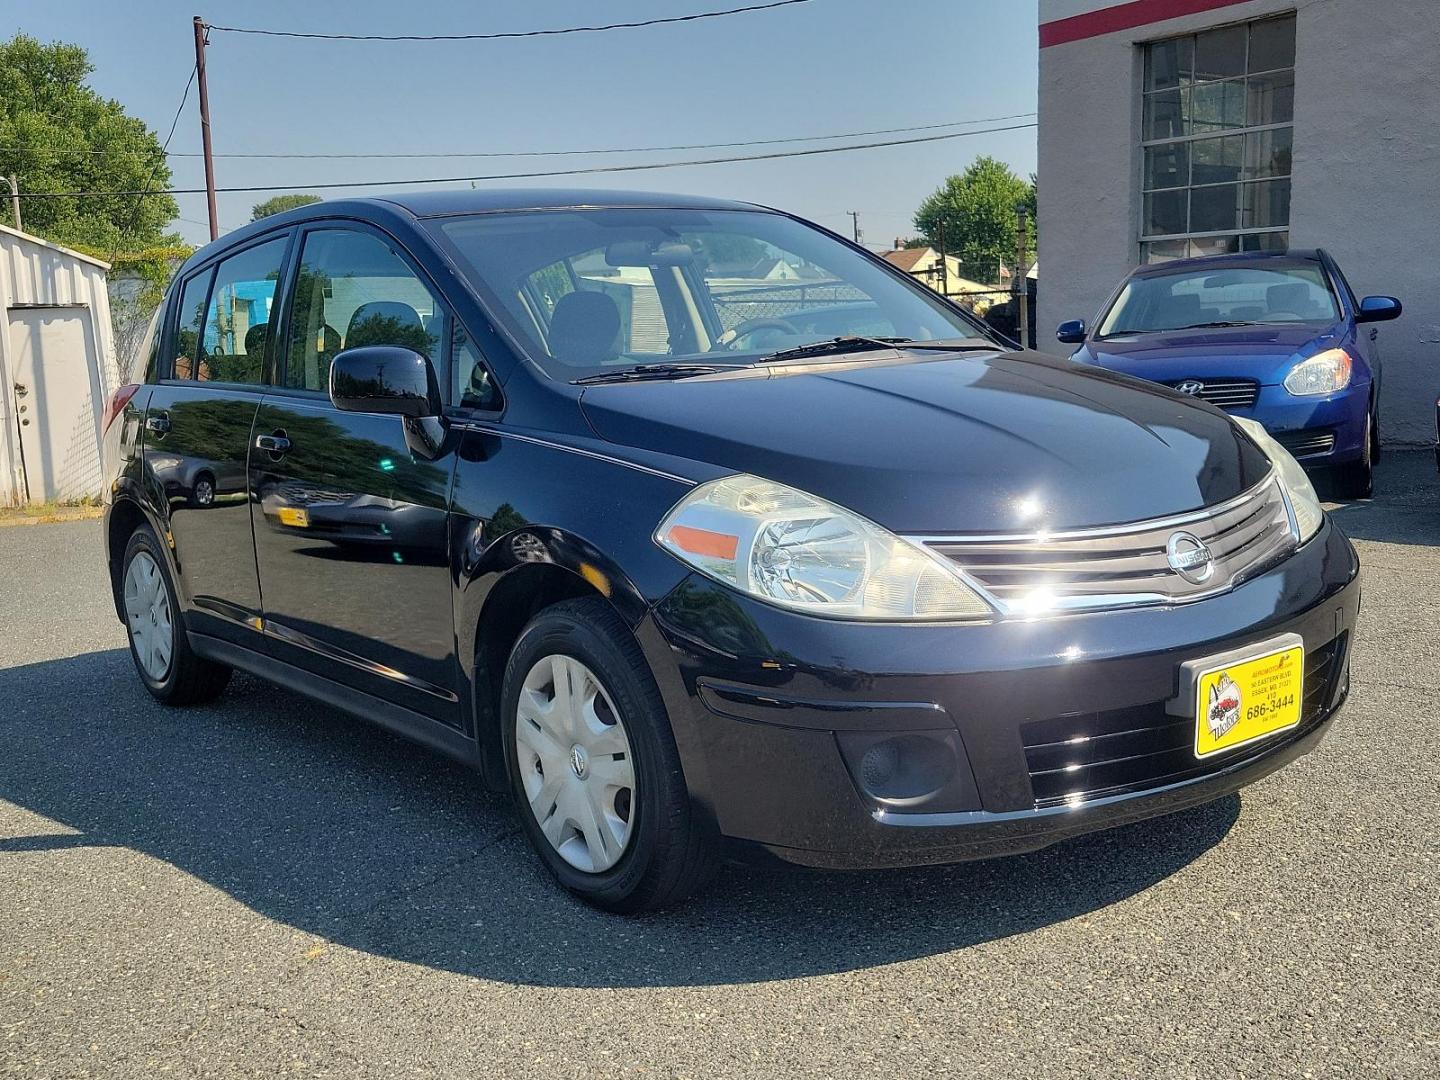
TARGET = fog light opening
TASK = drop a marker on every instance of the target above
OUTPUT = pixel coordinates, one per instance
(905, 769)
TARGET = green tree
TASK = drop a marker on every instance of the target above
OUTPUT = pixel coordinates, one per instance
(57, 134)
(279, 204)
(976, 212)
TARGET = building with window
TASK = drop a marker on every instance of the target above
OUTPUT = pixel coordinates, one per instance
(1180, 128)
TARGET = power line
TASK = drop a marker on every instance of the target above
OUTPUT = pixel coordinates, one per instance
(635, 167)
(566, 153)
(511, 34)
(135, 214)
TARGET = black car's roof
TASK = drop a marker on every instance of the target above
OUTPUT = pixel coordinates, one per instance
(1248, 260)
(462, 201)
(483, 200)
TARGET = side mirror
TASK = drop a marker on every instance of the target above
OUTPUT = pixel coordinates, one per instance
(1379, 309)
(1071, 333)
(396, 381)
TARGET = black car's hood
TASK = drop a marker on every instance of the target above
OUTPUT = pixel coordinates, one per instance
(977, 443)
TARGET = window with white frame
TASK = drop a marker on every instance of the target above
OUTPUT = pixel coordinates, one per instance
(1217, 132)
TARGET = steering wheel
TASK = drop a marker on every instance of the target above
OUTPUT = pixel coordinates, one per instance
(730, 338)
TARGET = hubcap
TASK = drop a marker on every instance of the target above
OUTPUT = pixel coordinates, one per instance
(575, 763)
(147, 613)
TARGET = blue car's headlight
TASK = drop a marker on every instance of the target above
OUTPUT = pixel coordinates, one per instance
(1323, 373)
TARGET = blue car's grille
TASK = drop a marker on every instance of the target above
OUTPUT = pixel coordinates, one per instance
(1307, 443)
(1222, 393)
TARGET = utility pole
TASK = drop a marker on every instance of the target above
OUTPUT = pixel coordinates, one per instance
(15, 200)
(855, 223)
(1021, 283)
(944, 270)
(205, 128)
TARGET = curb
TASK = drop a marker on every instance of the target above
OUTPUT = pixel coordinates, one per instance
(77, 513)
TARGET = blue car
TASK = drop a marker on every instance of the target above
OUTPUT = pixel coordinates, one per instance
(1273, 336)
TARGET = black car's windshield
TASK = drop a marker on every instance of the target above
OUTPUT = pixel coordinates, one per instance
(591, 291)
(1197, 299)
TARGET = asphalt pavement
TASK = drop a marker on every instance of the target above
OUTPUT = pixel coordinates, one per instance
(265, 887)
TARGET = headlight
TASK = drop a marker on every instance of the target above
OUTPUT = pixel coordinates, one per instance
(1304, 503)
(1323, 373)
(799, 551)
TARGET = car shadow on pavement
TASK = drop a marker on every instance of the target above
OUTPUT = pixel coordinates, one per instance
(339, 829)
(1405, 508)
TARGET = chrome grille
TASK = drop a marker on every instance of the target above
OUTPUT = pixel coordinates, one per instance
(1125, 565)
(1224, 393)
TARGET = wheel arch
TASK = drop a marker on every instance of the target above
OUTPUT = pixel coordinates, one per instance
(497, 601)
(122, 519)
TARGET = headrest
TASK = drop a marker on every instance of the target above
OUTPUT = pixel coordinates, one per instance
(583, 329)
(255, 338)
(1294, 297)
(375, 323)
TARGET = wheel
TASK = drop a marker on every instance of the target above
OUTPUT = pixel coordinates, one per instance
(593, 765)
(163, 658)
(203, 493)
(1356, 479)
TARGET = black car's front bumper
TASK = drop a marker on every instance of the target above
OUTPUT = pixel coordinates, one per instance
(773, 712)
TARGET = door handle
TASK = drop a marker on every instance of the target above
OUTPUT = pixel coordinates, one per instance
(274, 444)
(158, 424)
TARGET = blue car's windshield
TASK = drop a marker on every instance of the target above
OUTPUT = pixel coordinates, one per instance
(587, 292)
(1287, 293)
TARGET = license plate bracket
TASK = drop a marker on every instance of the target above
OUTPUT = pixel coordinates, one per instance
(1244, 695)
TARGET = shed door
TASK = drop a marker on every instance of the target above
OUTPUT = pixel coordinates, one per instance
(56, 401)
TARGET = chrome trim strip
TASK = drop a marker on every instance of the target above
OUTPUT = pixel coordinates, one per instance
(1102, 531)
(489, 429)
(331, 652)
(223, 609)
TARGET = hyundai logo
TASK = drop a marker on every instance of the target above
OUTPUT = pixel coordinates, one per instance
(1190, 386)
(1190, 558)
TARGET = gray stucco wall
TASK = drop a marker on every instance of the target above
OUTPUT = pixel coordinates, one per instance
(1366, 171)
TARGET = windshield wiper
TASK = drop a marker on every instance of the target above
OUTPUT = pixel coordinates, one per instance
(1129, 330)
(855, 343)
(1218, 322)
(662, 370)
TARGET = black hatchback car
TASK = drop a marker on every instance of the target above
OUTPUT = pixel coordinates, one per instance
(706, 532)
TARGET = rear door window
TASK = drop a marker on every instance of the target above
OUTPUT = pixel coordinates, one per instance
(224, 317)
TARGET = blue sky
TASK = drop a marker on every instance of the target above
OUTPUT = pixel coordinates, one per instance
(822, 67)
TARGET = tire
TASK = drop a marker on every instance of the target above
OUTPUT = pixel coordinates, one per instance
(1356, 479)
(203, 492)
(640, 851)
(170, 670)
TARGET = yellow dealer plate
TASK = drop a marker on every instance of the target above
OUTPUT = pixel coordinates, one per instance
(1241, 702)
(293, 517)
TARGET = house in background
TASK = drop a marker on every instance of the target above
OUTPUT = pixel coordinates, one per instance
(1178, 128)
(57, 370)
(923, 264)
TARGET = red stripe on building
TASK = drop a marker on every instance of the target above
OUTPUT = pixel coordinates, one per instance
(1122, 17)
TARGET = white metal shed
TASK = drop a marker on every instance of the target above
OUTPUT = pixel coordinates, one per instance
(57, 370)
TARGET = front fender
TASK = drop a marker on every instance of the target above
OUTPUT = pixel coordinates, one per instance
(537, 520)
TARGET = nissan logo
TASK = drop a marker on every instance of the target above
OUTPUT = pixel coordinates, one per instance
(1190, 386)
(1190, 558)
